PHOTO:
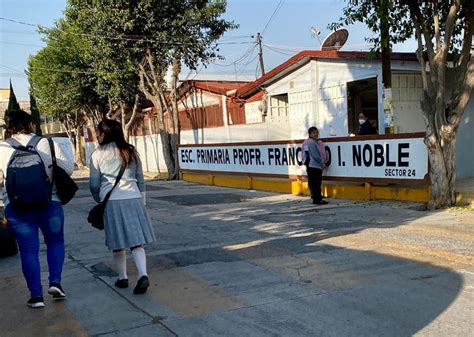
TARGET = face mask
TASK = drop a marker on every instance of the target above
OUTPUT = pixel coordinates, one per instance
(361, 121)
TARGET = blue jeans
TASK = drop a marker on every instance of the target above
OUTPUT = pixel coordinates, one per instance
(25, 226)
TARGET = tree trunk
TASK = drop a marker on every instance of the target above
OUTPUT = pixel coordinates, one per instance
(165, 140)
(442, 158)
(128, 125)
(151, 85)
(386, 53)
(174, 143)
(167, 154)
(173, 111)
(80, 161)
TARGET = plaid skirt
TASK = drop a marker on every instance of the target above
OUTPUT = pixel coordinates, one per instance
(127, 224)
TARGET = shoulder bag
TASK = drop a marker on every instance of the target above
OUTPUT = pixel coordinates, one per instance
(66, 188)
(96, 214)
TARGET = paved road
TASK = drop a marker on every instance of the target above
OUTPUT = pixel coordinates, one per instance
(244, 263)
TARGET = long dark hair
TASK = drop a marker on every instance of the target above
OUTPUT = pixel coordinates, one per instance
(112, 131)
(19, 121)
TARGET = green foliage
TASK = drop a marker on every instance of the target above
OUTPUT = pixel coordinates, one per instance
(122, 31)
(368, 12)
(400, 21)
(60, 76)
(12, 103)
(106, 26)
(97, 52)
(35, 114)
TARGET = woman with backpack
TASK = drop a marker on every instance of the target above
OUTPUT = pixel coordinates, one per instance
(31, 203)
(115, 166)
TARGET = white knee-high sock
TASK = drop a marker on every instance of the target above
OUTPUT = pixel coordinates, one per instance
(140, 260)
(120, 259)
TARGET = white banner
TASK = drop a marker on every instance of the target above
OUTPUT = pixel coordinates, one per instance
(401, 158)
(66, 146)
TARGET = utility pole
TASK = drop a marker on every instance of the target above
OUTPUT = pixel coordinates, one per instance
(260, 53)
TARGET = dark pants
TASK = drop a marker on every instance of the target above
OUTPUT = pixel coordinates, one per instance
(25, 226)
(315, 178)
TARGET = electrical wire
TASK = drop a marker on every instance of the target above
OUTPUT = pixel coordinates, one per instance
(11, 69)
(21, 44)
(278, 7)
(247, 52)
(276, 50)
(128, 38)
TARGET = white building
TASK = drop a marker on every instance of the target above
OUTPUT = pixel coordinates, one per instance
(328, 89)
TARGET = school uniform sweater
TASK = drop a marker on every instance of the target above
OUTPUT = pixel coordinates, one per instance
(105, 166)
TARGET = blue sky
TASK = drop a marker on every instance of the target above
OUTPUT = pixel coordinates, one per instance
(287, 33)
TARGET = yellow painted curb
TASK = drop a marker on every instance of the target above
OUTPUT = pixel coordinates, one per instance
(363, 191)
(464, 198)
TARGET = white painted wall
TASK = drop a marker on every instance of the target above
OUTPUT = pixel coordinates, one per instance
(300, 78)
(149, 148)
(238, 133)
(253, 113)
(333, 76)
(310, 104)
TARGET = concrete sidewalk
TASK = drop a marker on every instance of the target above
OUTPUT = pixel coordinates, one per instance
(243, 263)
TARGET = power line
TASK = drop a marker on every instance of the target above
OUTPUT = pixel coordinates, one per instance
(12, 75)
(134, 39)
(21, 44)
(12, 31)
(272, 16)
(280, 52)
(11, 69)
(246, 54)
(19, 22)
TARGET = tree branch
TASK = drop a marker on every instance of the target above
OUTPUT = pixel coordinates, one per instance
(464, 95)
(427, 84)
(134, 112)
(151, 63)
(449, 26)
(464, 85)
(436, 24)
(144, 83)
(417, 16)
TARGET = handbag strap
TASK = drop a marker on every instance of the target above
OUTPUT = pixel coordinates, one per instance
(53, 152)
(107, 196)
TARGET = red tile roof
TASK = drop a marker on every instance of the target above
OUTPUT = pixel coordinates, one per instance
(217, 87)
(306, 55)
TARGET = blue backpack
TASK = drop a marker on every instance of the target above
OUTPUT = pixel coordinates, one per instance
(27, 184)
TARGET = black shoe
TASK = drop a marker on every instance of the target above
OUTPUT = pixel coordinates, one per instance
(320, 202)
(57, 291)
(142, 285)
(36, 302)
(123, 283)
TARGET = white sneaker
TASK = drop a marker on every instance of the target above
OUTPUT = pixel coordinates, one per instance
(57, 291)
(35, 302)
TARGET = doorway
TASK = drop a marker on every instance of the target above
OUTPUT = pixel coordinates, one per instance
(362, 96)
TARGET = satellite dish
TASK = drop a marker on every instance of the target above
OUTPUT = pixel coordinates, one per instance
(335, 40)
